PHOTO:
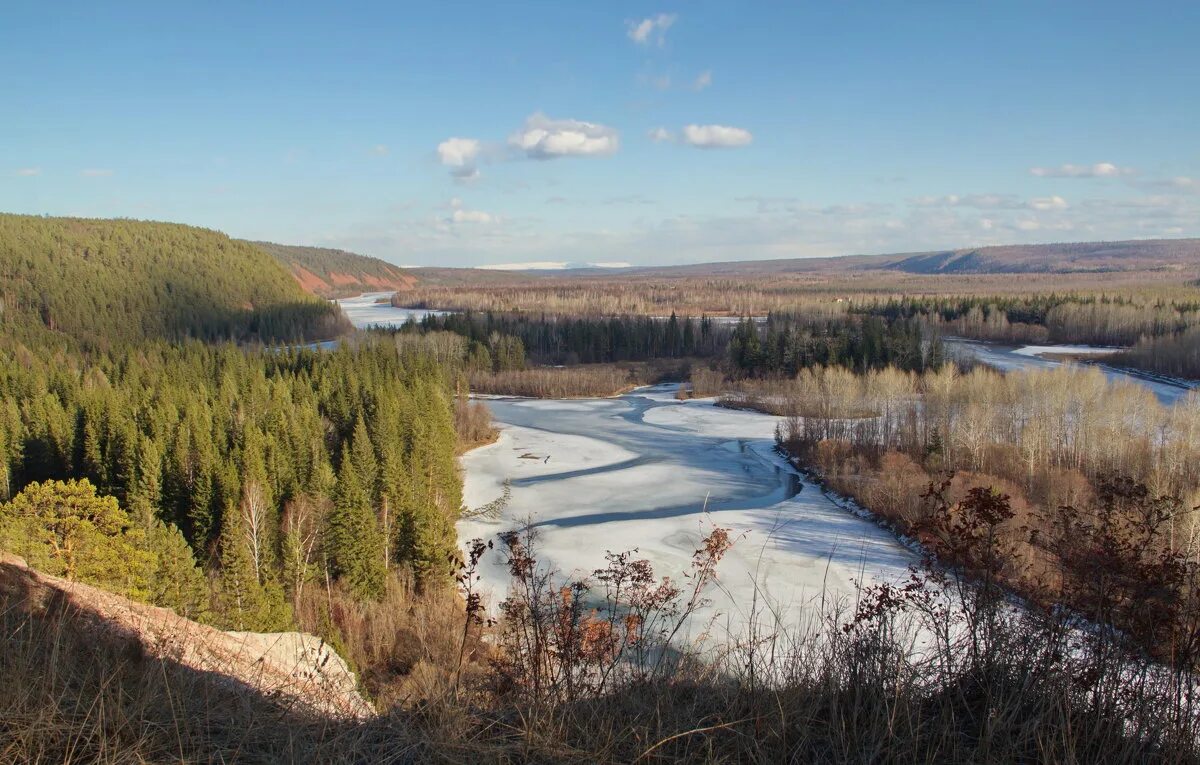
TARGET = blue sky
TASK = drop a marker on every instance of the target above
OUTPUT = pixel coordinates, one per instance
(609, 132)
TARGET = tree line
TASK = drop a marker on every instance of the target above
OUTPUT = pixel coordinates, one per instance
(781, 344)
(1103, 319)
(565, 339)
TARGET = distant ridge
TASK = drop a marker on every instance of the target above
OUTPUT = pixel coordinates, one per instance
(1182, 255)
(332, 273)
(1159, 256)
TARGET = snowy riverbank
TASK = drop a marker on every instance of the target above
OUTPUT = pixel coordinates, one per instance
(649, 472)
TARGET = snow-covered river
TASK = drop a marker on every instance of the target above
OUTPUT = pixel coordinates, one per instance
(646, 471)
(1009, 358)
(365, 311)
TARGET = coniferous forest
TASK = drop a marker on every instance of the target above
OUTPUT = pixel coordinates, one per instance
(236, 473)
(101, 283)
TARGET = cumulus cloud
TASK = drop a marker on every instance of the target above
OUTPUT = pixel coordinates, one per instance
(702, 81)
(770, 227)
(661, 135)
(29, 171)
(459, 213)
(460, 155)
(992, 202)
(1048, 203)
(715, 136)
(651, 30)
(1098, 170)
(544, 138)
(472, 216)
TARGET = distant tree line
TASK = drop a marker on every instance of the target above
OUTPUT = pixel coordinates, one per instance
(782, 344)
(785, 344)
(553, 339)
(1121, 319)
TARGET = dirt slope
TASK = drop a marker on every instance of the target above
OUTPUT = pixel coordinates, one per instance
(294, 667)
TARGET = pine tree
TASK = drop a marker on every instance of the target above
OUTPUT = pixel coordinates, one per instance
(240, 600)
(353, 538)
(175, 580)
(362, 452)
(65, 529)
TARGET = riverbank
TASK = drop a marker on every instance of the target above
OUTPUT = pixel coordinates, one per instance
(648, 472)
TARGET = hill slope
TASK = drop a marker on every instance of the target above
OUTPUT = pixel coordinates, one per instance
(298, 668)
(337, 273)
(106, 281)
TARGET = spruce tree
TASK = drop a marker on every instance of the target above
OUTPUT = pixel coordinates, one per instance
(240, 601)
(353, 537)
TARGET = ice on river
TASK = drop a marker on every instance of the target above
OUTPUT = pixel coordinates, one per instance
(1066, 350)
(646, 471)
(1008, 358)
(365, 311)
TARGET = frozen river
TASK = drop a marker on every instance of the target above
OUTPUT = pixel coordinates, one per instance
(1009, 358)
(646, 471)
(365, 311)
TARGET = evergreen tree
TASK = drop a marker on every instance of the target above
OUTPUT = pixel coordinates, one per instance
(65, 529)
(240, 601)
(353, 538)
(175, 580)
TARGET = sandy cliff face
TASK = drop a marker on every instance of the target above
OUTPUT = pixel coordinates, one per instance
(296, 668)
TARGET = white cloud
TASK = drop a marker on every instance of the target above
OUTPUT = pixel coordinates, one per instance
(29, 171)
(715, 136)
(460, 155)
(546, 138)
(472, 216)
(991, 202)
(651, 30)
(611, 264)
(460, 214)
(661, 135)
(1098, 170)
(1048, 203)
(702, 81)
(96, 173)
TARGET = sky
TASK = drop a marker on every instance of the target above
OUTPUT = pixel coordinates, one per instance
(469, 134)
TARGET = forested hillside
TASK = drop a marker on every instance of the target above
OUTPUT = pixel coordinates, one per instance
(102, 282)
(275, 467)
(337, 273)
(150, 444)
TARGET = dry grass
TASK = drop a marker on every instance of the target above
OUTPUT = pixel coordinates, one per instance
(824, 695)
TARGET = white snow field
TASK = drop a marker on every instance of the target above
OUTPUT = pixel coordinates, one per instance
(646, 471)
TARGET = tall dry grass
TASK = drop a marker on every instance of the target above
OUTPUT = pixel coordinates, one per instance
(941, 668)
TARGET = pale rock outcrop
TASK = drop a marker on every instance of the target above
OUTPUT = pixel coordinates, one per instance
(295, 668)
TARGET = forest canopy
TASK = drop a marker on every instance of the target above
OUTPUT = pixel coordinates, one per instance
(102, 282)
